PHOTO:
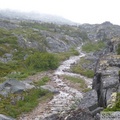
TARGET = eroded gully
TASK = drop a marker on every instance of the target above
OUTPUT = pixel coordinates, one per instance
(67, 95)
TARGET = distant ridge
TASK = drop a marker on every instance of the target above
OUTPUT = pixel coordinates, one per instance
(35, 16)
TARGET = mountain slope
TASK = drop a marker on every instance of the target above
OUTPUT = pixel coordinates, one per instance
(35, 16)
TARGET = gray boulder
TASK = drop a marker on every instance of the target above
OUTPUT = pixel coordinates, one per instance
(90, 100)
(11, 86)
(14, 85)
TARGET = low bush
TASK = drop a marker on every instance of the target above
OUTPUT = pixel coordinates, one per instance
(42, 61)
(93, 46)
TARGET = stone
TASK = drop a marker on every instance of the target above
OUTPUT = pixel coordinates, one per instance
(50, 88)
(90, 100)
(110, 81)
(97, 110)
(13, 86)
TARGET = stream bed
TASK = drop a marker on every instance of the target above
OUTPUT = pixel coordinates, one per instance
(68, 96)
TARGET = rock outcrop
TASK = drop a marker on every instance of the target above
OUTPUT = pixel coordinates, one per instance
(14, 86)
(106, 85)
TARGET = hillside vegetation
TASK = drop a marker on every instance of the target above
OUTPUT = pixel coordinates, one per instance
(24, 46)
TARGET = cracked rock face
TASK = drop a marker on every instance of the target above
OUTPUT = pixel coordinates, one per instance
(107, 79)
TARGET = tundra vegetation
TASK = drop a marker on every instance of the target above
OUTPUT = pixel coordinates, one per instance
(10, 106)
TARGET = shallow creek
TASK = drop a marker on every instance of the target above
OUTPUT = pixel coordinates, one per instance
(67, 96)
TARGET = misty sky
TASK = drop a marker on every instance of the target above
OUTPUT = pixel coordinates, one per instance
(81, 11)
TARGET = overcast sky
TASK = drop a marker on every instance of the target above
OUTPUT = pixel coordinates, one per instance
(81, 11)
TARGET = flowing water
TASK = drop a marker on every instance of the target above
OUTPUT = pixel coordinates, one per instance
(67, 96)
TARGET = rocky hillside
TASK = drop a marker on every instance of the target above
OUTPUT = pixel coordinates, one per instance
(104, 31)
(104, 96)
(21, 38)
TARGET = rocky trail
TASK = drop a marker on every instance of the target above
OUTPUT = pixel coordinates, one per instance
(67, 96)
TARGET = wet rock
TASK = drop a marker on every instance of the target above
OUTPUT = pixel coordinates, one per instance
(50, 88)
(3, 117)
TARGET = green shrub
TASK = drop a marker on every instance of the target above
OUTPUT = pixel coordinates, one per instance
(118, 50)
(4, 69)
(9, 40)
(93, 46)
(42, 61)
(4, 32)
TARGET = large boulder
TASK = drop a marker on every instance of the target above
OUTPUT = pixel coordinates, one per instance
(13, 86)
(90, 100)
